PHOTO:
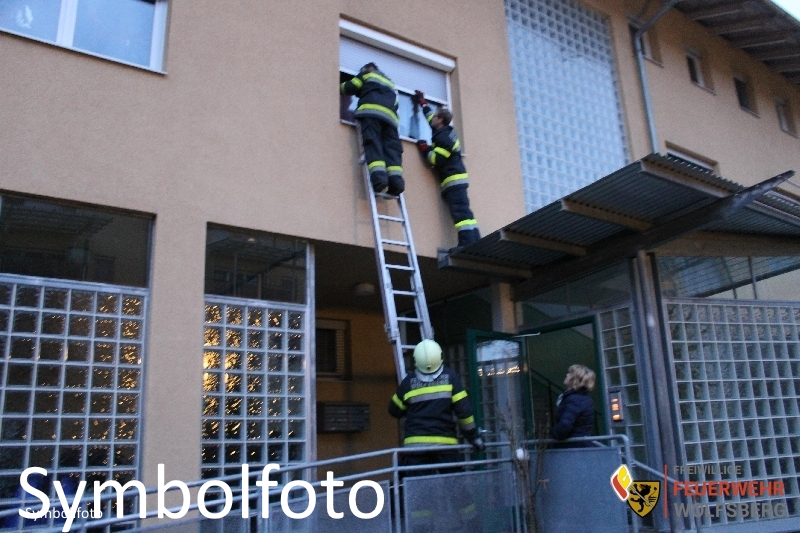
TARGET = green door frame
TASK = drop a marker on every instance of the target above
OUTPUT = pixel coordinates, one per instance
(600, 374)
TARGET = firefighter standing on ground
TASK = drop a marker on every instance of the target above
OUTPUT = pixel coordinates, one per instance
(428, 398)
(377, 116)
(444, 155)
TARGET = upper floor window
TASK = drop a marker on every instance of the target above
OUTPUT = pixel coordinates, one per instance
(408, 66)
(744, 93)
(695, 72)
(129, 31)
(649, 43)
(785, 118)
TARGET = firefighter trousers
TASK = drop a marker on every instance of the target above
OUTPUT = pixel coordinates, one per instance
(464, 220)
(383, 152)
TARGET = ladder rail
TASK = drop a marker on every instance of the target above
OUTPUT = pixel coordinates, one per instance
(388, 292)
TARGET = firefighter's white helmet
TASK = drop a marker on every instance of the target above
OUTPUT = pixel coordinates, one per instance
(428, 356)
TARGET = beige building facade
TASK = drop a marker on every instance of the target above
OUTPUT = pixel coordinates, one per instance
(209, 188)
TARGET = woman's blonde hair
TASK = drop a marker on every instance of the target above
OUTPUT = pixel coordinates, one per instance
(580, 377)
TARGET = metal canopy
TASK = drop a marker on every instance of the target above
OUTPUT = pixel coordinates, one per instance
(642, 206)
(759, 27)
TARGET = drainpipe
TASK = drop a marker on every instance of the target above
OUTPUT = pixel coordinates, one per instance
(637, 40)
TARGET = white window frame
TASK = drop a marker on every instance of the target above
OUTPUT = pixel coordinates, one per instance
(785, 117)
(65, 34)
(417, 54)
(696, 61)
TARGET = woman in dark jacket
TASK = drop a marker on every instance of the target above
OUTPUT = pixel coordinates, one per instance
(575, 408)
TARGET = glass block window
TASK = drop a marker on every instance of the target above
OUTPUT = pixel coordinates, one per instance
(255, 385)
(569, 116)
(737, 369)
(616, 343)
(71, 362)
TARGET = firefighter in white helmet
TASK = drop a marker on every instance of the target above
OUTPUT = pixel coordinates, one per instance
(428, 398)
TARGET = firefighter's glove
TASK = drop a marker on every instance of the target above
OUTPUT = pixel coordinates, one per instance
(419, 98)
(478, 445)
(423, 147)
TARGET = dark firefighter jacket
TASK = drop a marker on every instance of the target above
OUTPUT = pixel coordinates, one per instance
(445, 155)
(429, 408)
(376, 96)
(574, 415)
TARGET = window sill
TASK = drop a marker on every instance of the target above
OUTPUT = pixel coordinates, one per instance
(82, 52)
(706, 89)
(402, 137)
(749, 111)
(656, 62)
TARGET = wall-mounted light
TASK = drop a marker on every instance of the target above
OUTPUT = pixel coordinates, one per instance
(364, 289)
(615, 406)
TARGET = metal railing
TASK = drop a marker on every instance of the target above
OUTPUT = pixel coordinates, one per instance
(391, 475)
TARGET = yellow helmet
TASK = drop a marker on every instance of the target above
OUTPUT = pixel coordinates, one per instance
(428, 356)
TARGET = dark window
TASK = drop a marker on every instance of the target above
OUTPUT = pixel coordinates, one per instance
(694, 69)
(743, 93)
(248, 264)
(326, 351)
(331, 344)
(46, 239)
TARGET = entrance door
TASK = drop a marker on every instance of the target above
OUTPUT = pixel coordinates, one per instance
(497, 385)
(550, 353)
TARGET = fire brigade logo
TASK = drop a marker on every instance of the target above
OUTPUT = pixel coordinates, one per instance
(642, 496)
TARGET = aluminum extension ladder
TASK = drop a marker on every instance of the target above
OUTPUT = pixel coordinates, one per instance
(395, 286)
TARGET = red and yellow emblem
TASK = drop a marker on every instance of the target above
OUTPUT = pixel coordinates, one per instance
(644, 496)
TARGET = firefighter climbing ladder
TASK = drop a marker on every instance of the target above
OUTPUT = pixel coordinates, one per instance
(390, 273)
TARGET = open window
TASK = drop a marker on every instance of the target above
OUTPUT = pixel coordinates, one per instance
(410, 67)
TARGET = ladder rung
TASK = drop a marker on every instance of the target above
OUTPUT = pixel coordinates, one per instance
(405, 293)
(386, 196)
(391, 219)
(394, 243)
(408, 346)
(407, 319)
(400, 267)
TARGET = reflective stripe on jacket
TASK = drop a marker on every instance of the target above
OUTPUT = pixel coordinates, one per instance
(376, 94)
(429, 407)
(445, 155)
